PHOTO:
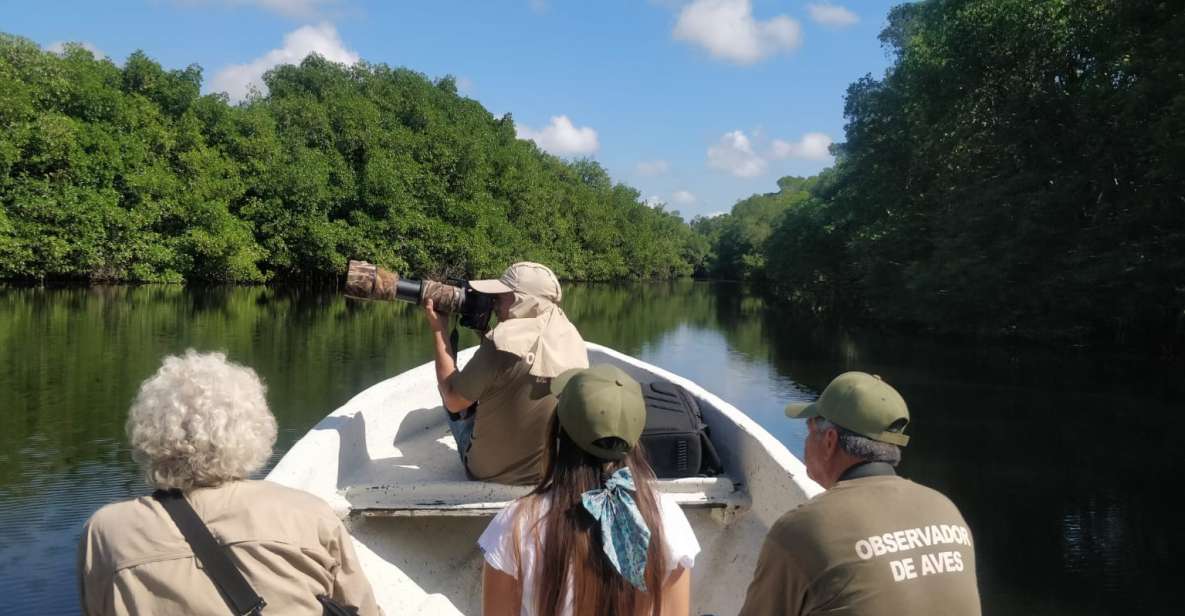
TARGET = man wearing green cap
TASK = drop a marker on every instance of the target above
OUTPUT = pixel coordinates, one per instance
(873, 543)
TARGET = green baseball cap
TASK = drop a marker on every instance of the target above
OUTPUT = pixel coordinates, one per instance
(862, 403)
(600, 402)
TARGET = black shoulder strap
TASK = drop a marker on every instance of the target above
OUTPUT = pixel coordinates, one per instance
(239, 595)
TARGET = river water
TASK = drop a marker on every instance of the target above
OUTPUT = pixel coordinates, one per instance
(1063, 463)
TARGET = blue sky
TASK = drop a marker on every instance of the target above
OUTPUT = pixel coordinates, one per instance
(696, 103)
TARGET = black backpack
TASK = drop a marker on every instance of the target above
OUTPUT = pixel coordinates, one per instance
(676, 439)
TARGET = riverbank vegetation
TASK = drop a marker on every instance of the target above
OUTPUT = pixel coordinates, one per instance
(1019, 170)
(1016, 172)
(129, 173)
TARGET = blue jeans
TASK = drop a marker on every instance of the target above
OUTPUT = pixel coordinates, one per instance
(462, 430)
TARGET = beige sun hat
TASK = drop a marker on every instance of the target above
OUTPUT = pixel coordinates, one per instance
(523, 277)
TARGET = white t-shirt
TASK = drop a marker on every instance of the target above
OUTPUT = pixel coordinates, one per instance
(498, 544)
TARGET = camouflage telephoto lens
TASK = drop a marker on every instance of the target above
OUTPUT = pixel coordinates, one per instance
(445, 297)
(367, 281)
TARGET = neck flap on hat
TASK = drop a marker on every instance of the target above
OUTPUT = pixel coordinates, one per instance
(540, 333)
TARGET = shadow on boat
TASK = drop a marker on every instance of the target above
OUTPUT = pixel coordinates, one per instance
(437, 555)
(423, 454)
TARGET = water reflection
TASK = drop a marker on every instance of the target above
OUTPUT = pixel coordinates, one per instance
(1094, 539)
(1052, 458)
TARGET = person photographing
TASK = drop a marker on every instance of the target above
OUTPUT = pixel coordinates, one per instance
(500, 405)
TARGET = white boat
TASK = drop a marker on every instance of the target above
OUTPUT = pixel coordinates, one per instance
(387, 464)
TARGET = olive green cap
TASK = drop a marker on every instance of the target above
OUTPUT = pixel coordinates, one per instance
(861, 403)
(600, 402)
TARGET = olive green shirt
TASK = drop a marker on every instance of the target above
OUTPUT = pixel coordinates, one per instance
(870, 546)
(514, 414)
(288, 544)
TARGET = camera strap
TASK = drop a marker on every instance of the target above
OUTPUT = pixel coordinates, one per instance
(237, 592)
(454, 340)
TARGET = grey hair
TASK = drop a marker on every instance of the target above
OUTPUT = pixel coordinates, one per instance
(862, 447)
(200, 421)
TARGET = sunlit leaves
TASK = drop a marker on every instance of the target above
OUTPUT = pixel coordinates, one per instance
(126, 173)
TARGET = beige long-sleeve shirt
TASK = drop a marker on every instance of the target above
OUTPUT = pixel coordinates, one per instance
(289, 545)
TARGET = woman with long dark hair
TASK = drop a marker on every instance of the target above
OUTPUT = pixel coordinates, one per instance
(595, 536)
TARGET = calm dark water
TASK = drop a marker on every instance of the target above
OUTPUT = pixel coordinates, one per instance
(1063, 464)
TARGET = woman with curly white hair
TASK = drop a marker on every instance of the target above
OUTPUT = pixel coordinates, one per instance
(200, 427)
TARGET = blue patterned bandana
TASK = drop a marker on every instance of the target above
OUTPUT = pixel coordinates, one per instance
(623, 531)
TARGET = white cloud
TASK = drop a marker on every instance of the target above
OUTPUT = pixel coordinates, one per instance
(832, 15)
(465, 86)
(727, 29)
(561, 137)
(59, 47)
(682, 197)
(812, 146)
(237, 80)
(291, 8)
(714, 214)
(653, 201)
(652, 168)
(297, 9)
(734, 154)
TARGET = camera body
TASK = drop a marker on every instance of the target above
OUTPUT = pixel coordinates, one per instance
(367, 281)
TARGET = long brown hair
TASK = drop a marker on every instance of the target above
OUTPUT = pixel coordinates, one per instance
(571, 546)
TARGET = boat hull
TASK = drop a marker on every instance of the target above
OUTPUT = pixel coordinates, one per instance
(387, 465)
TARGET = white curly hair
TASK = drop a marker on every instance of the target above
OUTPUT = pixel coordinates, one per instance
(200, 421)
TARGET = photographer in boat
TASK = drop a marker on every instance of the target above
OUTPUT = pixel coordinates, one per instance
(500, 405)
(209, 541)
(872, 543)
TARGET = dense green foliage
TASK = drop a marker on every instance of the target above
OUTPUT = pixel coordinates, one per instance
(740, 238)
(1020, 169)
(129, 173)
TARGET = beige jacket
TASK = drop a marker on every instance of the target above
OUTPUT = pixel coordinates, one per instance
(288, 544)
